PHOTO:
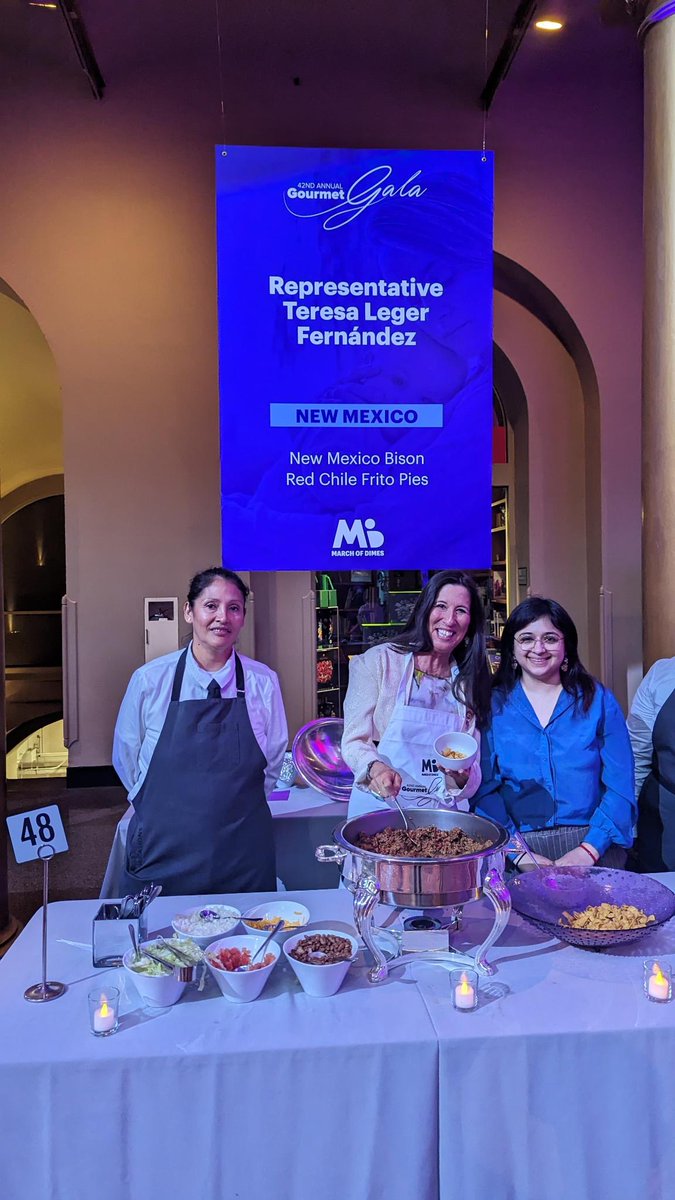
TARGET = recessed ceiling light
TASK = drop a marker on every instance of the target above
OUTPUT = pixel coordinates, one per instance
(40, 4)
(549, 26)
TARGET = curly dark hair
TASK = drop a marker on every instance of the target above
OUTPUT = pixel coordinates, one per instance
(575, 680)
(472, 685)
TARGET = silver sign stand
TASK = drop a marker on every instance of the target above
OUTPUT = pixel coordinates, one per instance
(40, 992)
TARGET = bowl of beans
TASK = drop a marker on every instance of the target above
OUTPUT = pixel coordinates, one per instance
(321, 959)
(456, 751)
(230, 962)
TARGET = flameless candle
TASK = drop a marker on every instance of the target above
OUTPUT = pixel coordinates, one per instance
(103, 1011)
(104, 1017)
(464, 984)
(658, 986)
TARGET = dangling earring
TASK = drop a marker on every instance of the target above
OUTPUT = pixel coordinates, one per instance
(514, 663)
(564, 664)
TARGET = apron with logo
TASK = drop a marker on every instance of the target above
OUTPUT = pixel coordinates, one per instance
(201, 822)
(655, 845)
(407, 746)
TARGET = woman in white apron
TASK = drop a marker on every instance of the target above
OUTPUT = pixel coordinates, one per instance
(402, 695)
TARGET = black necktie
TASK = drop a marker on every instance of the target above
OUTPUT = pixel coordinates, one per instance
(213, 691)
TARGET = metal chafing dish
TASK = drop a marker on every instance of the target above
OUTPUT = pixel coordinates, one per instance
(421, 883)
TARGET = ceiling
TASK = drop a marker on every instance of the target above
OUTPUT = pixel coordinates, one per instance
(403, 52)
(411, 43)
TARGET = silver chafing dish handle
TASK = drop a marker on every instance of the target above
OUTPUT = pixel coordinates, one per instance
(330, 854)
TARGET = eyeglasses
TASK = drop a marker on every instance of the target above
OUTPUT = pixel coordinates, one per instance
(527, 640)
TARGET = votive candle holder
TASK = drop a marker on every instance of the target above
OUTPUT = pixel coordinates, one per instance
(104, 1005)
(657, 980)
(464, 989)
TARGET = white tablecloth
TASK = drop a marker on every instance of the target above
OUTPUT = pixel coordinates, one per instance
(303, 820)
(560, 1085)
(286, 1097)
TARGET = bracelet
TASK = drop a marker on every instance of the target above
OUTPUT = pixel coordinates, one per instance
(594, 857)
(369, 769)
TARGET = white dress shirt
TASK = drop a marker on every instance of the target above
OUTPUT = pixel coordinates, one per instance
(656, 687)
(146, 703)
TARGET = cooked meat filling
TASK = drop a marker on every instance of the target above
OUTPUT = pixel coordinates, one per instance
(427, 842)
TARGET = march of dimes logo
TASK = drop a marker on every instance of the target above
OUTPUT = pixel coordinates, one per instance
(361, 536)
(338, 205)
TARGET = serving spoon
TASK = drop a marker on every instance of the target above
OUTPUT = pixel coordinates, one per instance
(389, 796)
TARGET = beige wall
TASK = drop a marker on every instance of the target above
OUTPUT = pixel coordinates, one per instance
(121, 279)
(557, 556)
(31, 444)
(285, 636)
(107, 235)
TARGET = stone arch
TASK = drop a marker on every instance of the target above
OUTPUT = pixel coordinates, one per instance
(514, 281)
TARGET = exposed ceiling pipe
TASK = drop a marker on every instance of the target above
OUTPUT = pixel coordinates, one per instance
(517, 30)
(83, 48)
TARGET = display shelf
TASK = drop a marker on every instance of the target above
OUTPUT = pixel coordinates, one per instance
(327, 647)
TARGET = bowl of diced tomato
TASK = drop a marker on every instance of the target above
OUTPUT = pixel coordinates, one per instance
(227, 957)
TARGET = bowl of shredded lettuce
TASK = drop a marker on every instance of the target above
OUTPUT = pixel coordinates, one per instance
(159, 985)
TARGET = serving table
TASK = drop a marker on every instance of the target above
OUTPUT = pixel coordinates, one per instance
(560, 1084)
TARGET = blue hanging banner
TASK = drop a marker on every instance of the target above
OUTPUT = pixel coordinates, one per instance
(355, 326)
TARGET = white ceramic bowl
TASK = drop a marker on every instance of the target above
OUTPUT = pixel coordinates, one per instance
(295, 917)
(242, 986)
(159, 991)
(462, 743)
(230, 918)
(320, 979)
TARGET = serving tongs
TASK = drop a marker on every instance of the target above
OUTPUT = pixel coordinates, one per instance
(185, 974)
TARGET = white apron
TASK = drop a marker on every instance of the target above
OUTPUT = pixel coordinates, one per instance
(407, 746)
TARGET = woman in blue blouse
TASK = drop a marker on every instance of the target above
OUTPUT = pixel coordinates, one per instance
(557, 762)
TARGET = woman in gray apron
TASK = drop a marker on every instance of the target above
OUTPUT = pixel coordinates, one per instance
(199, 734)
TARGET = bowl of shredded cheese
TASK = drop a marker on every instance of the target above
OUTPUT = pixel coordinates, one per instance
(263, 917)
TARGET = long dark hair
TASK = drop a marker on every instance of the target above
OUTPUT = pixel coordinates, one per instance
(203, 579)
(472, 685)
(575, 679)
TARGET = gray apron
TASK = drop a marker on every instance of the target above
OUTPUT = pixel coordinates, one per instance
(201, 823)
(655, 845)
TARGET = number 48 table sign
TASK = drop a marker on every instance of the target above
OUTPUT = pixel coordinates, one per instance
(39, 834)
(30, 831)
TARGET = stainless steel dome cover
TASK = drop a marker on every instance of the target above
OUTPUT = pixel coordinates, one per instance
(317, 756)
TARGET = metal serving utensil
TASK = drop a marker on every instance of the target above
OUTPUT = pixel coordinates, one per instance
(521, 846)
(259, 951)
(174, 950)
(185, 974)
(389, 797)
(132, 935)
